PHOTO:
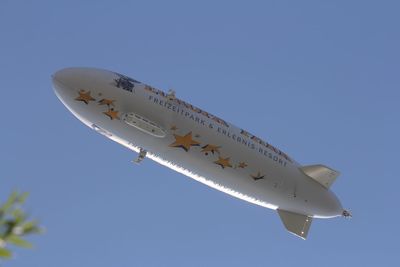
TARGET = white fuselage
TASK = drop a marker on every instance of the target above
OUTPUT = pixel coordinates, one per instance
(196, 143)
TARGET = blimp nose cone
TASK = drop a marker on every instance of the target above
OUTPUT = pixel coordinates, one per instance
(65, 77)
(63, 81)
(80, 78)
(77, 89)
(70, 83)
(82, 91)
(70, 79)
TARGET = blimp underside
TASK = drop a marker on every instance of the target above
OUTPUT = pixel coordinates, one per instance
(199, 145)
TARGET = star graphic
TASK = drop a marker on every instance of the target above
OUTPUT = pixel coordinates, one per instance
(210, 148)
(112, 114)
(184, 142)
(257, 177)
(242, 165)
(223, 162)
(174, 128)
(107, 102)
(84, 97)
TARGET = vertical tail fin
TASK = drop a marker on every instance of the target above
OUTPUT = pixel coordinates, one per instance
(321, 174)
(297, 224)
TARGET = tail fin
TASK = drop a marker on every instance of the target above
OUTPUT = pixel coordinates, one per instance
(297, 224)
(321, 174)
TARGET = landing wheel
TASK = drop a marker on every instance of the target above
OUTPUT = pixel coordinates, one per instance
(142, 155)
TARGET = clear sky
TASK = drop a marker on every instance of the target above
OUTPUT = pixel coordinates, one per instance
(318, 79)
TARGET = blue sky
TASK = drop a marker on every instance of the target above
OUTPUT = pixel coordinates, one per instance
(318, 79)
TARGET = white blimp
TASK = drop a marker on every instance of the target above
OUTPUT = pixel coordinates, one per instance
(199, 145)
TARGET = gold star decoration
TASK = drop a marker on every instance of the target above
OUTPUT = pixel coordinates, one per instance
(184, 142)
(174, 128)
(257, 177)
(242, 165)
(223, 162)
(107, 102)
(210, 148)
(112, 114)
(84, 97)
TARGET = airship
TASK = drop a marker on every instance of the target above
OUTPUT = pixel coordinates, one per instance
(172, 132)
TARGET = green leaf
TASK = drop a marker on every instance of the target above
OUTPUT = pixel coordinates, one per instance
(17, 241)
(13, 198)
(14, 224)
(5, 253)
(30, 227)
(8, 227)
(22, 197)
(10, 202)
(19, 215)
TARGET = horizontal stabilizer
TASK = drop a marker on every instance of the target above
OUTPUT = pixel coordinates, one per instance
(297, 224)
(322, 174)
